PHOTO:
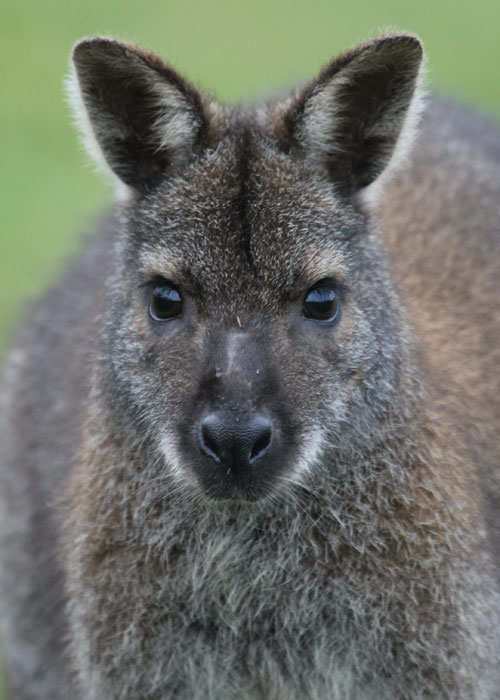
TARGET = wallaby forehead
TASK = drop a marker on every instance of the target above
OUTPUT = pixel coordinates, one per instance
(244, 212)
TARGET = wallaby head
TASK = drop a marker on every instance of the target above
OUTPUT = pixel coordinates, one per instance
(250, 322)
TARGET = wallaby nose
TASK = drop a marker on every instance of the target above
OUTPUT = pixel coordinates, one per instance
(235, 445)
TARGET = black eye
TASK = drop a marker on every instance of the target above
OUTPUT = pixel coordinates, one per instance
(321, 303)
(166, 303)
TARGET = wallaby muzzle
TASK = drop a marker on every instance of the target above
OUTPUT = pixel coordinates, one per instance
(236, 432)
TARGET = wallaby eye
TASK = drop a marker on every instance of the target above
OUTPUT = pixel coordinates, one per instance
(321, 303)
(166, 303)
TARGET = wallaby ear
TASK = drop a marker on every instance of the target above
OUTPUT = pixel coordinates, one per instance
(137, 114)
(360, 112)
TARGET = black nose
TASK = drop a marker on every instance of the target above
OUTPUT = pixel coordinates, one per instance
(235, 445)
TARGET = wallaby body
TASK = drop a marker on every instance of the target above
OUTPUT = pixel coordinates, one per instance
(250, 441)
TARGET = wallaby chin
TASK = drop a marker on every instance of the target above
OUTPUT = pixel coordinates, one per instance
(249, 441)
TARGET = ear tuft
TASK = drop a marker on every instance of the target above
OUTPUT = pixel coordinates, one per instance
(138, 116)
(357, 119)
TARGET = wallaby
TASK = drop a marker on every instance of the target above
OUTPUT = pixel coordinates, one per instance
(250, 440)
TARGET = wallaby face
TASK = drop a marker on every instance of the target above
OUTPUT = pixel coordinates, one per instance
(231, 310)
(250, 299)
(249, 437)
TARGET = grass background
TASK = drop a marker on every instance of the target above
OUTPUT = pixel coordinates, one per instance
(235, 49)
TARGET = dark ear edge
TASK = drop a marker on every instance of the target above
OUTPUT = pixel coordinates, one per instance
(357, 120)
(138, 116)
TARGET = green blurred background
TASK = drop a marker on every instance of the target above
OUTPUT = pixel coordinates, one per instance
(237, 50)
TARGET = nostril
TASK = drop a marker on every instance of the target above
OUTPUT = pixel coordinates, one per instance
(208, 443)
(232, 443)
(261, 445)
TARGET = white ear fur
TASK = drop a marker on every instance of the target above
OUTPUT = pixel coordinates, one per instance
(329, 125)
(87, 136)
(154, 126)
(371, 195)
(318, 134)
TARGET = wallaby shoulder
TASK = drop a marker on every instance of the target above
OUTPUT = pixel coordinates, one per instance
(45, 386)
(441, 222)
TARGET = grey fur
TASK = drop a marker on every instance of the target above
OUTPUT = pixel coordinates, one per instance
(357, 560)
